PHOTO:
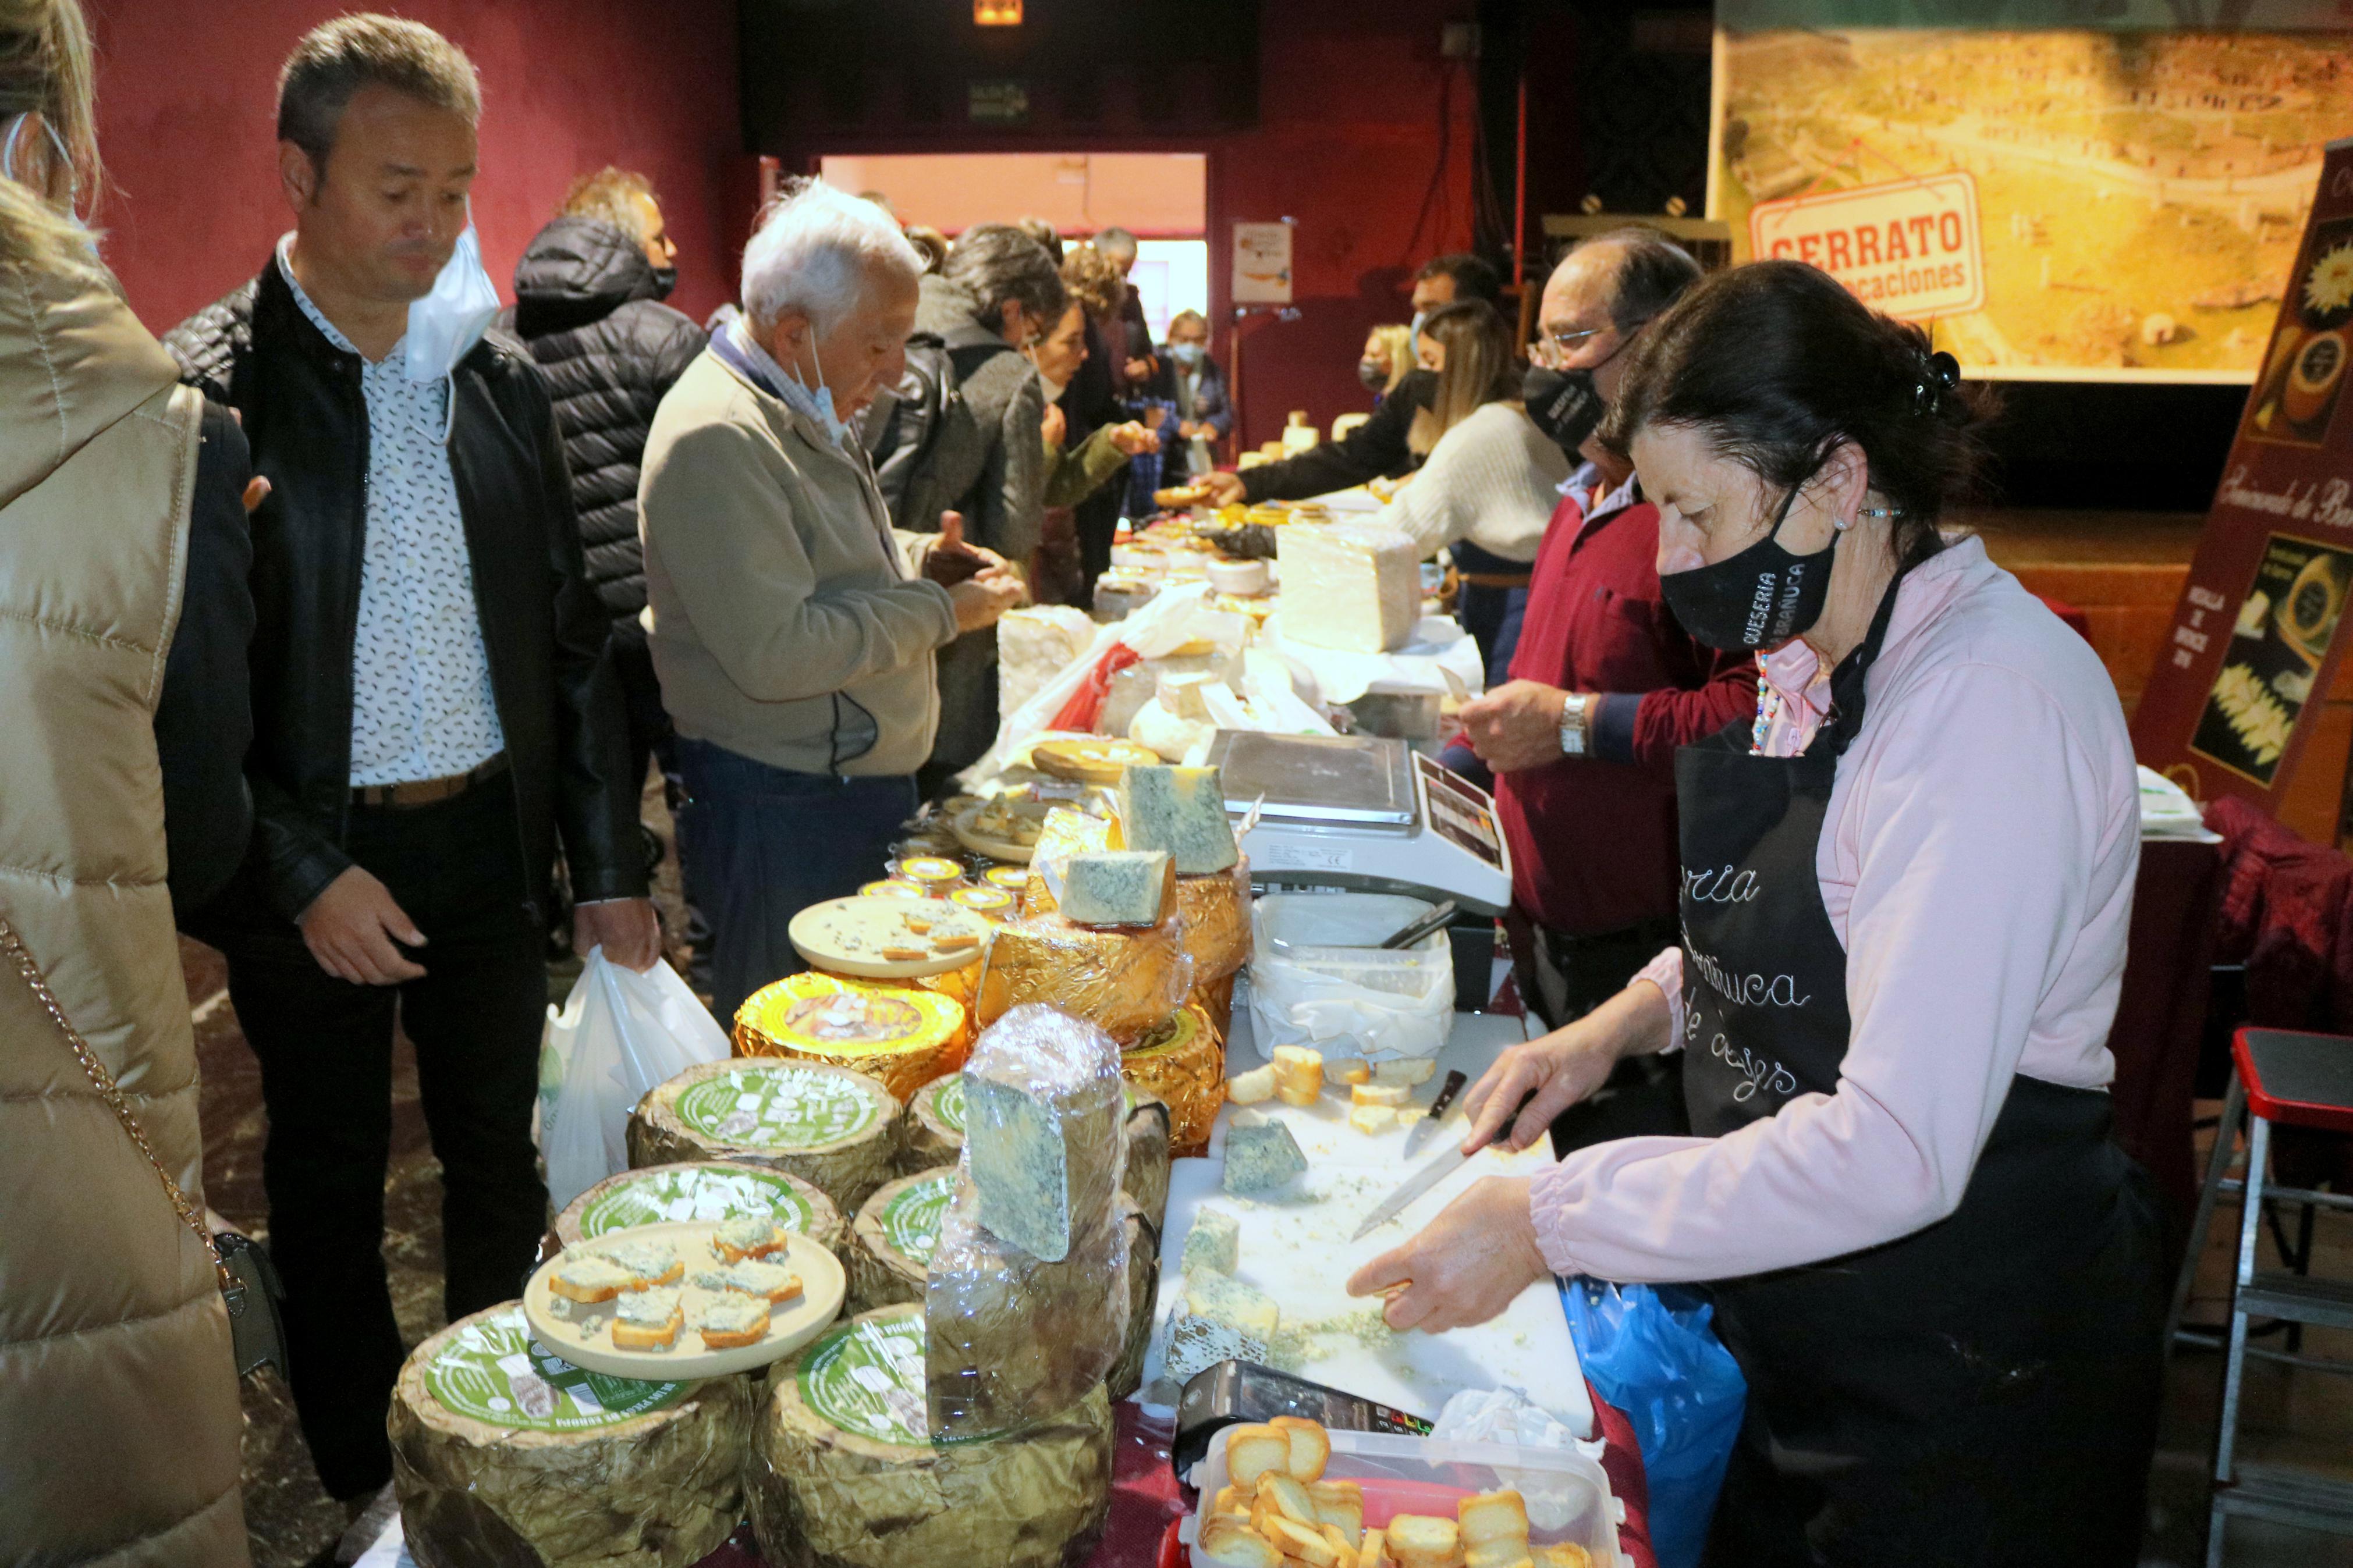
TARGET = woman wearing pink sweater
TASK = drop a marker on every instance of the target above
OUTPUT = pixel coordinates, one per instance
(1906, 888)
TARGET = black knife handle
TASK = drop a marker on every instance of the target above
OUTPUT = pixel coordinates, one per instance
(1446, 1093)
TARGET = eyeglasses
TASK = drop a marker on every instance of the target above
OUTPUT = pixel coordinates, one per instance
(1553, 347)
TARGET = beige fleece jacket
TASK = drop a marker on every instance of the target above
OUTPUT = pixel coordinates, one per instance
(787, 620)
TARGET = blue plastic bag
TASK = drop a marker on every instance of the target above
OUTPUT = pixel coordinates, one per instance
(1652, 1352)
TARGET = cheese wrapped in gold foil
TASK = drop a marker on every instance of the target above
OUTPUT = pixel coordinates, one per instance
(903, 1034)
(1181, 1060)
(1216, 909)
(1215, 1000)
(1122, 982)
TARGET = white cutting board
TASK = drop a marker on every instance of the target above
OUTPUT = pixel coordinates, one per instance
(1295, 1248)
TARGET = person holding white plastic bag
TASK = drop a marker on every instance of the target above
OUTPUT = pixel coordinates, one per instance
(434, 712)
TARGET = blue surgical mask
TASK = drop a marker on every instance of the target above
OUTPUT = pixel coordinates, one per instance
(1187, 355)
(1413, 328)
(445, 325)
(815, 402)
(65, 162)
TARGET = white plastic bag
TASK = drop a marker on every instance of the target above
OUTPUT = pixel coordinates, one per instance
(1335, 991)
(1505, 1415)
(617, 1034)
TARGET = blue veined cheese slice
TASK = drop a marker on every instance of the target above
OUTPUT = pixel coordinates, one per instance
(1261, 1156)
(1351, 586)
(1214, 1244)
(1119, 888)
(1181, 811)
(1043, 1109)
(1217, 1318)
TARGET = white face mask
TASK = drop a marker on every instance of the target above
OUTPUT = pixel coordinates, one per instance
(1053, 389)
(445, 325)
(65, 162)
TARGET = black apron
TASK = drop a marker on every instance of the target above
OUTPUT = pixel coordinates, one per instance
(1983, 1391)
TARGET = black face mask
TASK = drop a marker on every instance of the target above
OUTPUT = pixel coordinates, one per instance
(1563, 404)
(1759, 598)
(1373, 373)
(665, 280)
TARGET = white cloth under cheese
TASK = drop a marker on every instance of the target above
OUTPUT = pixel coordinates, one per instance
(1352, 586)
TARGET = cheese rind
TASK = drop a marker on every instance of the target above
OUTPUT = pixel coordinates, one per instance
(1356, 587)
(1217, 1318)
(1260, 1157)
(1119, 888)
(1182, 811)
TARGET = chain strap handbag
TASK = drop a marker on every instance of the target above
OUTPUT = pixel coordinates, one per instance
(249, 1285)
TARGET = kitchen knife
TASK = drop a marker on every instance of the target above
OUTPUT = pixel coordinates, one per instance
(1418, 1133)
(1428, 1176)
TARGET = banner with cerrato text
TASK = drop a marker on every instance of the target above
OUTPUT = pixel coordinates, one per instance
(2259, 629)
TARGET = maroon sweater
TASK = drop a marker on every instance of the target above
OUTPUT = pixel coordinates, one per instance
(1593, 838)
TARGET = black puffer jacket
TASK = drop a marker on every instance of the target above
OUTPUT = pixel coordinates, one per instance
(587, 304)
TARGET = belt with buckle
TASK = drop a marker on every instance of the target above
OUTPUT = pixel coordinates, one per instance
(428, 792)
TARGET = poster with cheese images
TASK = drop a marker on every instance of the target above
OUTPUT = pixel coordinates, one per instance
(2059, 189)
(2258, 627)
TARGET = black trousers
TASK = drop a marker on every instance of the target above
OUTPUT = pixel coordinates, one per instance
(1561, 980)
(325, 1050)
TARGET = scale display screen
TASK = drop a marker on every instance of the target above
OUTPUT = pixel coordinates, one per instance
(1460, 813)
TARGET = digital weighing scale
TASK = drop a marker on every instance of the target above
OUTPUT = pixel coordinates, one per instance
(1366, 813)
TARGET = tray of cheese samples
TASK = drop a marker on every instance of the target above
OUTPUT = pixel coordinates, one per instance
(888, 938)
(1005, 828)
(687, 1301)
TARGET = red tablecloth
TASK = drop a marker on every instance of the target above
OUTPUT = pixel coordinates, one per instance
(1145, 1500)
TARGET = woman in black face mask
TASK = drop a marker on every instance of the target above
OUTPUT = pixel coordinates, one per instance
(1907, 887)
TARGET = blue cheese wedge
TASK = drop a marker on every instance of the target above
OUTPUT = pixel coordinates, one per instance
(1119, 888)
(1214, 1244)
(1261, 1156)
(1043, 1115)
(1181, 811)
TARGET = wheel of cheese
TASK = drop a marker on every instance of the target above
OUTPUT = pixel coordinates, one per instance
(1217, 913)
(843, 1474)
(890, 1241)
(1127, 1375)
(1215, 1000)
(902, 1034)
(1122, 982)
(827, 1125)
(1149, 1147)
(710, 1190)
(931, 1130)
(497, 1446)
(1181, 1060)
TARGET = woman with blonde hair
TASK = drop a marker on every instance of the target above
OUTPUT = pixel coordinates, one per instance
(119, 1419)
(1492, 478)
(1388, 359)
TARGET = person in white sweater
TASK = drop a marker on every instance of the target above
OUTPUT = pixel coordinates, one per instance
(1492, 480)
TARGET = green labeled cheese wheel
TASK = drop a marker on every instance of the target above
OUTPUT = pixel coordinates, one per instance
(931, 1132)
(710, 1190)
(843, 1475)
(495, 1442)
(829, 1126)
(891, 1240)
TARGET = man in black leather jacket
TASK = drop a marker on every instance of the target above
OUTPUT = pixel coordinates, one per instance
(432, 711)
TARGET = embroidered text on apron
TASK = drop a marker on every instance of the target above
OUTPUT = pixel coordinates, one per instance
(1981, 1391)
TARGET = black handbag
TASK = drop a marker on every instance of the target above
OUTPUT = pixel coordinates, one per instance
(249, 1285)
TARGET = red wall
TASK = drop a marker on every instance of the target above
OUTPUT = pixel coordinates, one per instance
(187, 108)
(1348, 143)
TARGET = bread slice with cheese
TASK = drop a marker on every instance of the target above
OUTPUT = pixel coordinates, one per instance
(748, 1236)
(647, 1320)
(589, 1277)
(733, 1321)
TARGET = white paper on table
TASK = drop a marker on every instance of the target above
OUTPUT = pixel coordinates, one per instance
(1441, 658)
(1298, 1251)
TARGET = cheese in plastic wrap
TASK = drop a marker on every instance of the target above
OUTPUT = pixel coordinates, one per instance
(1044, 1106)
(1011, 1338)
(1127, 1375)
(1066, 831)
(1123, 981)
(1149, 1150)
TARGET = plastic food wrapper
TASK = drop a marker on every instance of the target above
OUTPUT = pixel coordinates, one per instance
(1011, 1338)
(619, 1033)
(1127, 1375)
(1145, 1179)
(1334, 990)
(1044, 1154)
(1505, 1415)
(1124, 981)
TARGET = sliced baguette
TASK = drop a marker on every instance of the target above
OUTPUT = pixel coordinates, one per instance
(1501, 1515)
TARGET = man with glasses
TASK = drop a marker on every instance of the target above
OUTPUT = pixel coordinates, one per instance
(1603, 685)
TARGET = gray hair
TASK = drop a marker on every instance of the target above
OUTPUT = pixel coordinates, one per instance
(995, 262)
(818, 253)
(1114, 238)
(337, 58)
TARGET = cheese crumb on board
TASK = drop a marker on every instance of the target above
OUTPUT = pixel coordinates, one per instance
(1371, 1119)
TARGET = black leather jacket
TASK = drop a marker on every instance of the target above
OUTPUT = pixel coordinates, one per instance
(306, 419)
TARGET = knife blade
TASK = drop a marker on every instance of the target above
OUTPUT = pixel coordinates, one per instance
(1418, 1133)
(1430, 1175)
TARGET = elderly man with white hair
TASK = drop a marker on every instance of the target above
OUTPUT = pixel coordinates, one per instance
(792, 627)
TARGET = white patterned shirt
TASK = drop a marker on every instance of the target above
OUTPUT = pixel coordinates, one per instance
(421, 701)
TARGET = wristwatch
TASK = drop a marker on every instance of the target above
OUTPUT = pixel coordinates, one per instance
(1572, 724)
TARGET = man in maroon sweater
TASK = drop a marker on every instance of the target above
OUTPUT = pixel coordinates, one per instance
(1604, 683)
